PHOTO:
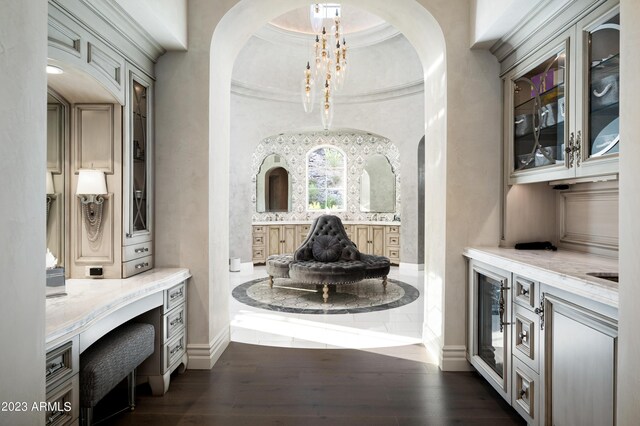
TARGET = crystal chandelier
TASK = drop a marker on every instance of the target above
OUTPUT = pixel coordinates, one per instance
(329, 59)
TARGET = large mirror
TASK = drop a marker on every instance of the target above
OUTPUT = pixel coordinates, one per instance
(378, 186)
(273, 191)
(57, 134)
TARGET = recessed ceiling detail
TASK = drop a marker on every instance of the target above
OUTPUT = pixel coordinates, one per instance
(353, 20)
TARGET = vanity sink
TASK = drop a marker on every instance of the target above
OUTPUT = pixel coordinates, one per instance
(611, 276)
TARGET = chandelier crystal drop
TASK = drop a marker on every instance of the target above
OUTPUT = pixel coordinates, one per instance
(327, 106)
(329, 60)
(308, 92)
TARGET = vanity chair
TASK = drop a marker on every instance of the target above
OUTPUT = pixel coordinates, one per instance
(328, 257)
(108, 361)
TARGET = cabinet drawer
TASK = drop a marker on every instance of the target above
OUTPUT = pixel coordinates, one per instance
(136, 251)
(136, 266)
(526, 336)
(393, 240)
(174, 296)
(258, 255)
(258, 240)
(393, 229)
(258, 229)
(393, 253)
(525, 398)
(173, 351)
(62, 363)
(174, 322)
(63, 404)
(525, 292)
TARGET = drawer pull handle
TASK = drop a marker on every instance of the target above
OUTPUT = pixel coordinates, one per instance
(54, 367)
(142, 265)
(523, 336)
(54, 416)
(176, 349)
(523, 392)
(176, 321)
(176, 294)
(141, 250)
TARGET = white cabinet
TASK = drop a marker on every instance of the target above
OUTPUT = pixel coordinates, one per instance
(137, 176)
(61, 375)
(170, 323)
(551, 354)
(561, 103)
(579, 364)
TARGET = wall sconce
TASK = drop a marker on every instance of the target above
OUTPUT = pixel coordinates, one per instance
(92, 185)
(50, 193)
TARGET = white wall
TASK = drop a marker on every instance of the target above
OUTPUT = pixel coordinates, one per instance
(23, 85)
(164, 20)
(463, 174)
(628, 395)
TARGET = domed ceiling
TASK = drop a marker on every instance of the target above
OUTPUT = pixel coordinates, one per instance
(382, 64)
(353, 20)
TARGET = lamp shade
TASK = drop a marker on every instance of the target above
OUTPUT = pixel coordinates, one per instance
(50, 187)
(91, 182)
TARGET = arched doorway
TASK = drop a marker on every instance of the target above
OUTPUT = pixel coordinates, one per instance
(419, 27)
(276, 190)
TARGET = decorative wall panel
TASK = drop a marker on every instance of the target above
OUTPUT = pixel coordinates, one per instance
(293, 147)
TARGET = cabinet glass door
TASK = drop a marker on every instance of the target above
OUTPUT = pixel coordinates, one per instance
(539, 114)
(139, 173)
(604, 88)
(491, 333)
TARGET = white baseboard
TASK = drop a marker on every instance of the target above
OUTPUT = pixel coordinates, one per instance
(432, 343)
(449, 357)
(411, 266)
(204, 356)
(454, 358)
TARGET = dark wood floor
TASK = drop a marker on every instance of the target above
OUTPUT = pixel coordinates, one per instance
(259, 385)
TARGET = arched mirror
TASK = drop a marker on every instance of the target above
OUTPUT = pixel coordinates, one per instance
(378, 186)
(57, 134)
(273, 191)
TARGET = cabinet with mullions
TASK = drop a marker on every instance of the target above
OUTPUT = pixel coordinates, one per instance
(561, 104)
(137, 180)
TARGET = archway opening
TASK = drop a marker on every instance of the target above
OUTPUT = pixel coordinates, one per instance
(422, 31)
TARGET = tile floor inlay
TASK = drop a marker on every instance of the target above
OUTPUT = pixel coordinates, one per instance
(289, 296)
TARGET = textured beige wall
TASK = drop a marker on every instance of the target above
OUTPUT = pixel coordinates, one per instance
(23, 119)
(462, 118)
(629, 341)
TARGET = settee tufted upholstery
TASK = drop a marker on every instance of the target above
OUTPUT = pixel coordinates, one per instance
(332, 226)
(328, 257)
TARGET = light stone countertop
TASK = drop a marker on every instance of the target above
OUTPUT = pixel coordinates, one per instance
(309, 222)
(565, 270)
(89, 299)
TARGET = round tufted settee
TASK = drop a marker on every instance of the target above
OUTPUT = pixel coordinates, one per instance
(327, 257)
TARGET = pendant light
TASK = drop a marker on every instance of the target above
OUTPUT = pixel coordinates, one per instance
(308, 92)
(316, 17)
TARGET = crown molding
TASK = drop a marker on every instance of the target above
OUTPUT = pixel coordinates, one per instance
(380, 95)
(356, 40)
(116, 20)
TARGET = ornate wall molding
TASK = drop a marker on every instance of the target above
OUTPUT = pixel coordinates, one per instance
(293, 147)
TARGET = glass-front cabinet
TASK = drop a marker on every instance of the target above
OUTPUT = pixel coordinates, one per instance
(489, 326)
(600, 85)
(561, 105)
(138, 175)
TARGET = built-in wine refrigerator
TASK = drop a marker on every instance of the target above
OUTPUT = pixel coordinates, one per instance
(489, 325)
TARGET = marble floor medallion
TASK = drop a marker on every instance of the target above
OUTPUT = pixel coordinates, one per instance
(289, 296)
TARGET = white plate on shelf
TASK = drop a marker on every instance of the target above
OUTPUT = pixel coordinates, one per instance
(606, 139)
